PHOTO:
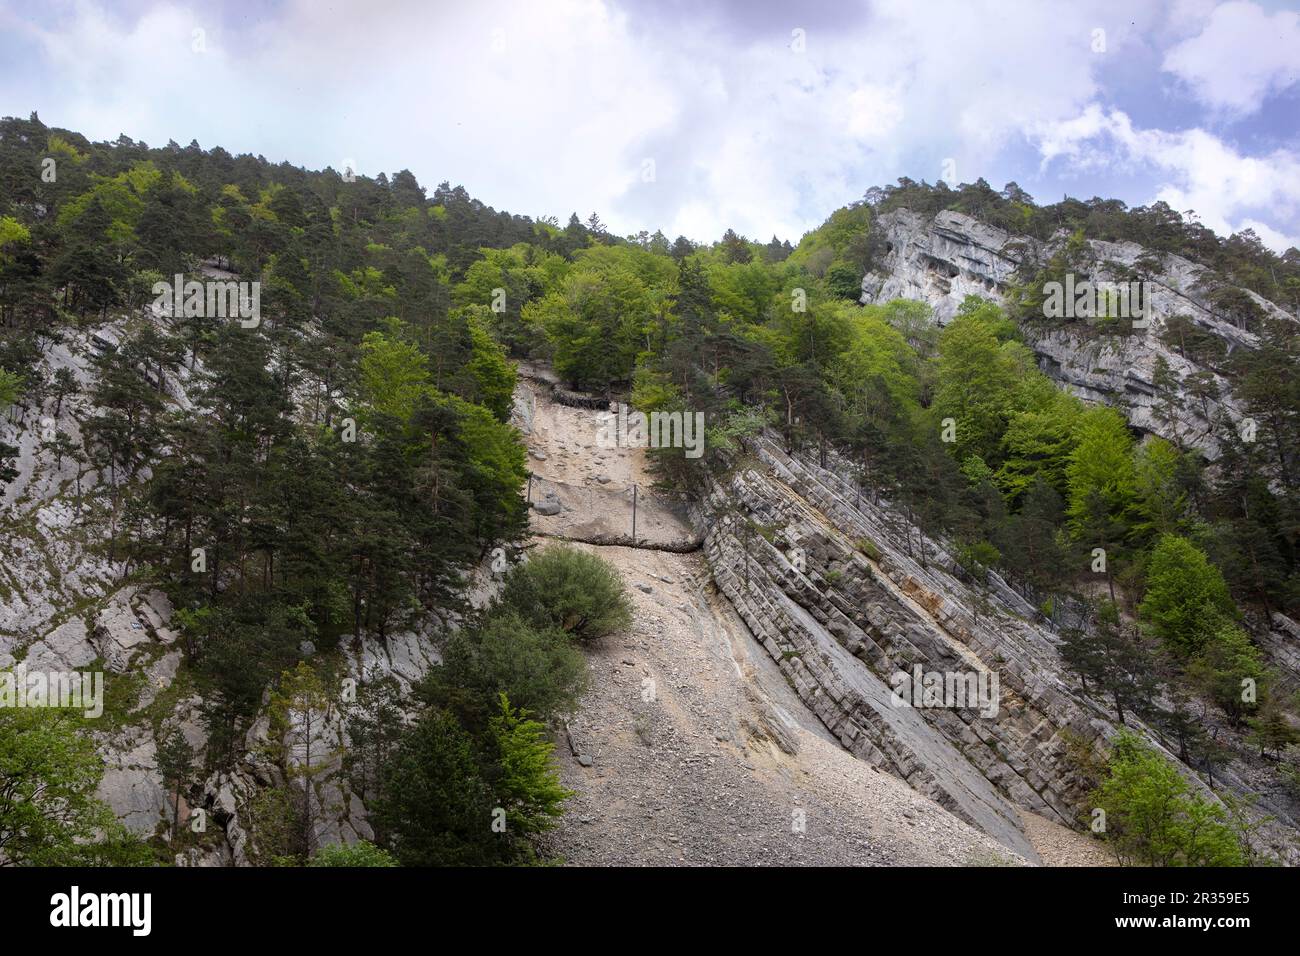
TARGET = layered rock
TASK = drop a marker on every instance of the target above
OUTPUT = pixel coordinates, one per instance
(942, 259)
(844, 596)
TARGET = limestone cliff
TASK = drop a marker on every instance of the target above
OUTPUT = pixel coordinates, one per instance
(942, 259)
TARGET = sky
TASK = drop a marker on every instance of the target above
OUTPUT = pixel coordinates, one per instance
(694, 117)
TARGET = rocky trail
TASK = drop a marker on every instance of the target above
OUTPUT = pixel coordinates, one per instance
(691, 747)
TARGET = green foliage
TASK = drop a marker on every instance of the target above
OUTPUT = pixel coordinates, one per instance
(436, 807)
(12, 234)
(1154, 819)
(845, 238)
(299, 710)
(527, 782)
(360, 854)
(1186, 599)
(273, 820)
(1229, 670)
(394, 372)
(570, 589)
(506, 654)
(1113, 660)
(1100, 474)
(1038, 444)
(175, 763)
(374, 722)
(876, 365)
(593, 323)
(979, 381)
(49, 812)
(11, 386)
(492, 373)
(1161, 502)
(977, 557)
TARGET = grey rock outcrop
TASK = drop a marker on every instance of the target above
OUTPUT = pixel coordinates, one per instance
(942, 259)
(834, 587)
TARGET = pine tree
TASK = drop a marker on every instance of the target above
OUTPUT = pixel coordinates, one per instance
(175, 762)
(527, 781)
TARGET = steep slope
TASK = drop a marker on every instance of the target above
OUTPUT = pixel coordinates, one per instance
(940, 260)
(694, 744)
(847, 598)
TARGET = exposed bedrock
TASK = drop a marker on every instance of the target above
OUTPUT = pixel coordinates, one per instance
(844, 624)
(942, 259)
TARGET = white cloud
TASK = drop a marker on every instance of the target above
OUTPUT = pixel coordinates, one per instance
(551, 108)
(1275, 240)
(874, 112)
(1240, 57)
(1198, 170)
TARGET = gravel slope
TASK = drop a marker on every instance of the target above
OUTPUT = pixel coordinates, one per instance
(689, 748)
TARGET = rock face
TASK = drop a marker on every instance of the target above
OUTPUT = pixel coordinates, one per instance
(63, 607)
(835, 588)
(942, 259)
(841, 595)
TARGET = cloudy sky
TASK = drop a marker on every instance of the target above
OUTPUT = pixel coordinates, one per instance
(692, 116)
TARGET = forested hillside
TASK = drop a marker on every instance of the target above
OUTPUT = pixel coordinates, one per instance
(341, 468)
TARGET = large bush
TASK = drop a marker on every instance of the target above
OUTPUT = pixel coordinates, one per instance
(1153, 818)
(537, 668)
(562, 587)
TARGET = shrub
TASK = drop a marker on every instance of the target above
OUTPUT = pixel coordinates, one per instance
(359, 854)
(869, 548)
(538, 668)
(1153, 819)
(562, 587)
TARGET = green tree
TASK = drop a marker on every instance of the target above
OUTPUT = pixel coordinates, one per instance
(11, 386)
(436, 807)
(49, 814)
(1186, 598)
(175, 762)
(299, 711)
(527, 782)
(980, 380)
(1161, 503)
(1114, 660)
(374, 722)
(1100, 469)
(1228, 668)
(1153, 818)
(394, 372)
